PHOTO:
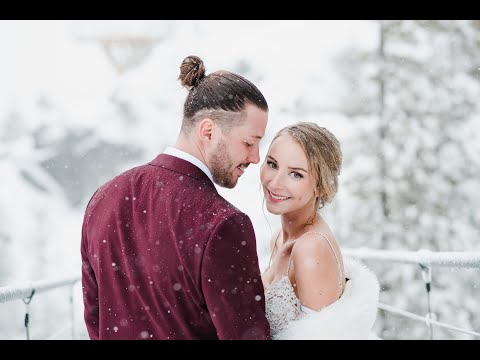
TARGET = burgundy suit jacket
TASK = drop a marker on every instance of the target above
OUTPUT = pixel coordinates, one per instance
(164, 256)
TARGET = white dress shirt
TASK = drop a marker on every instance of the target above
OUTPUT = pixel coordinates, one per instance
(190, 158)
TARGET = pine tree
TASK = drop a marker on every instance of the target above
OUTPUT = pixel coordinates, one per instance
(412, 168)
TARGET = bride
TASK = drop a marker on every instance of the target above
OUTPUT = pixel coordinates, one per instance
(311, 290)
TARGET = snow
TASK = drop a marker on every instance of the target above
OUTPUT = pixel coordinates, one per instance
(69, 122)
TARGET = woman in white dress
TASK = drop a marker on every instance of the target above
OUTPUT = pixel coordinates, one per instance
(311, 290)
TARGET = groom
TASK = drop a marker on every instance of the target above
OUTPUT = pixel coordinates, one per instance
(164, 256)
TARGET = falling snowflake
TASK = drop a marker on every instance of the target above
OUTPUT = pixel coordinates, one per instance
(177, 286)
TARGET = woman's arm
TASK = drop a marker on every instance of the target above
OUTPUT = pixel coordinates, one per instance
(315, 271)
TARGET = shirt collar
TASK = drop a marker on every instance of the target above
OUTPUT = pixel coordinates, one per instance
(190, 158)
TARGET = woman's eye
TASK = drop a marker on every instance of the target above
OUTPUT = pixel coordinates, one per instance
(271, 164)
(296, 175)
(248, 144)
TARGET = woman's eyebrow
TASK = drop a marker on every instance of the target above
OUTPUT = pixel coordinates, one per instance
(293, 168)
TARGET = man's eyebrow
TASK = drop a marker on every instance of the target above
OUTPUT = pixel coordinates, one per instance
(256, 136)
(293, 168)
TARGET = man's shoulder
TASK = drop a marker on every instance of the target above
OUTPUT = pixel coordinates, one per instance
(228, 209)
(216, 210)
(121, 177)
(116, 182)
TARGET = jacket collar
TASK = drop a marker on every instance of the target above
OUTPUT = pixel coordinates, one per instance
(181, 166)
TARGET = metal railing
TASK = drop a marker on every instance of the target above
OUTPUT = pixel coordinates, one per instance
(26, 291)
(426, 260)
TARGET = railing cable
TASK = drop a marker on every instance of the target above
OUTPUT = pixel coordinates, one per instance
(416, 317)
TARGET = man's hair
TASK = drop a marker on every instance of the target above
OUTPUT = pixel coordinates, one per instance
(221, 96)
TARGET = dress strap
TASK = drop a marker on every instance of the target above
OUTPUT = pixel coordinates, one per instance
(289, 262)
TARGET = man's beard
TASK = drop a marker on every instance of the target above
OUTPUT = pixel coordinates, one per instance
(222, 167)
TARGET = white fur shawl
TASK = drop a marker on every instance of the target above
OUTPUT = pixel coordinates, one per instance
(350, 317)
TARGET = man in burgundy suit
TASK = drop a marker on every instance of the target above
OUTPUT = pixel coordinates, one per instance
(164, 256)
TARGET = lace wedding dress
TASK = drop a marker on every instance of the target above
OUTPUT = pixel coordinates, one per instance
(281, 303)
(350, 317)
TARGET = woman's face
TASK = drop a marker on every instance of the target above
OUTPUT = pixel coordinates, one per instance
(286, 181)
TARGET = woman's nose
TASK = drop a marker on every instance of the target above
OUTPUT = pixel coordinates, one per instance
(275, 181)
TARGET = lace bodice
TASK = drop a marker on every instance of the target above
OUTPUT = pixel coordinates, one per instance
(281, 304)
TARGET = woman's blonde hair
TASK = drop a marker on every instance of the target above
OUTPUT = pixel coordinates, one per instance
(324, 157)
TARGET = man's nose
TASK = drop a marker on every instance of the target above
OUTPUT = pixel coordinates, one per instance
(254, 156)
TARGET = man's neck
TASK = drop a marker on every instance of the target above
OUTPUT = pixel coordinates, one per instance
(190, 147)
(187, 152)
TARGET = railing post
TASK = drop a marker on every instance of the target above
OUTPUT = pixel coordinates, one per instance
(27, 301)
(427, 278)
(72, 310)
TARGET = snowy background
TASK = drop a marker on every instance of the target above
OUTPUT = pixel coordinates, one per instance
(401, 96)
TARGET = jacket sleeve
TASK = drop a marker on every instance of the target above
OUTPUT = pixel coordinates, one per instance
(89, 288)
(231, 281)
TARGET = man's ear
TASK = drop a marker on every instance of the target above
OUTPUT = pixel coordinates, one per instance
(205, 129)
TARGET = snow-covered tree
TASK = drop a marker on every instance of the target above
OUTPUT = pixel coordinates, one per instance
(412, 167)
(50, 166)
